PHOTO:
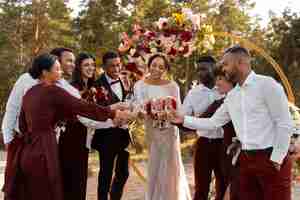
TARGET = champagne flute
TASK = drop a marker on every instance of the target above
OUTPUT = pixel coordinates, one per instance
(160, 113)
(154, 112)
(129, 100)
(170, 106)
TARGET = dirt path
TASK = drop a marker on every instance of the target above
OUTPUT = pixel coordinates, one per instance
(135, 188)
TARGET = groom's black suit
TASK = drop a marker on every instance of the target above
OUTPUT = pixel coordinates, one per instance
(111, 143)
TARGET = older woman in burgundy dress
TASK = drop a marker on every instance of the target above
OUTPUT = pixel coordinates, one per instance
(33, 173)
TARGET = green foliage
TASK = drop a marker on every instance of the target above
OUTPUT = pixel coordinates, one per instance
(99, 24)
(26, 29)
(283, 43)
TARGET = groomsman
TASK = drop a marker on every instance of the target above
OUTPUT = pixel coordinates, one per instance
(209, 151)
(111, 143)
(258, 108)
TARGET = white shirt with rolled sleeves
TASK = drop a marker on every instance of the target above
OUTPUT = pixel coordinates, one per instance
(260, 115)
(196, 102)
(10, 122)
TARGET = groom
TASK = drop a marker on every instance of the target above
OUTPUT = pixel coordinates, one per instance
(111, 143)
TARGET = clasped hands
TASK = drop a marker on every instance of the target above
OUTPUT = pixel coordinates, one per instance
(123, 114)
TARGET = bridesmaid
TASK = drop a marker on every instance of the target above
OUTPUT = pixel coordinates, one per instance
(72, 143)
(34, 173)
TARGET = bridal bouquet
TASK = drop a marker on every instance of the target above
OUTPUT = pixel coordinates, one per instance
(159, 110)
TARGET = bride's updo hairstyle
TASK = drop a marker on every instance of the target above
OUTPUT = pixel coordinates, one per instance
(152, 58)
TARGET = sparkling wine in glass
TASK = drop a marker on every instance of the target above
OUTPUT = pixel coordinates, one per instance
(154, 112)
(170, 106)
(160, 113)
(129, 100)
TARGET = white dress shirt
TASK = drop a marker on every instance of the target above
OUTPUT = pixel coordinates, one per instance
(196, 102)
(260, 115)
(116, 87)
(10, 121)
(118, 90)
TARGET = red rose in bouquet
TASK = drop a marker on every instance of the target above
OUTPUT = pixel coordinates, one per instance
(150, 35)
(144, 47)
(147, 107)
(172, 52)
(101, 94)
(186, 36)
(170, 103)
(132, 67)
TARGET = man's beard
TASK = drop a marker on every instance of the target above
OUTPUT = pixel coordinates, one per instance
(232, 76)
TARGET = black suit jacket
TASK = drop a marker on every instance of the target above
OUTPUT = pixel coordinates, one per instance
(113, 139)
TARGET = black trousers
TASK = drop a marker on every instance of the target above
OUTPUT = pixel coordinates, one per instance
(110, 162)
(111, 144)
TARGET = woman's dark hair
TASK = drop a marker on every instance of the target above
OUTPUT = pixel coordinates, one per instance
(208, 59)
(219, 72)
(167, 65)
(205, 66)
(40, 63)
(77, 76)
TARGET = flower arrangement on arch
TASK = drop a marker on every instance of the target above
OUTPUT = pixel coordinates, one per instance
(173, 36)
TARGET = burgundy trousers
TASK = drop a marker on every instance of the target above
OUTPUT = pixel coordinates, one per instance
(260, 180)
(208, 158)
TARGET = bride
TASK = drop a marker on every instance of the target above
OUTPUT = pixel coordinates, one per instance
(166, 176)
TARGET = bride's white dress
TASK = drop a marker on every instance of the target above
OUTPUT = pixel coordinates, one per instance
(166, 175)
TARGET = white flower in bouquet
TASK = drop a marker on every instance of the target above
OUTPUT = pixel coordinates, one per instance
(181, 48)
(153, 50)
(196, 21)
(162, 22)
(132, 51)
(187, 12)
